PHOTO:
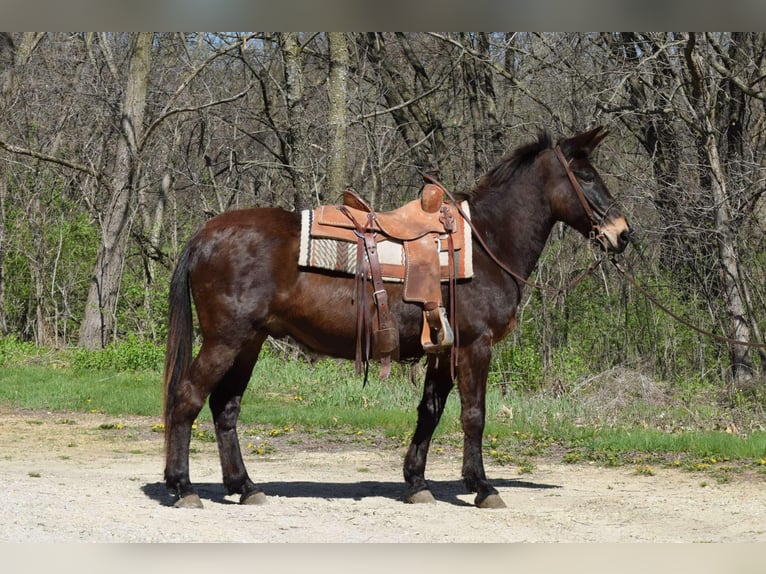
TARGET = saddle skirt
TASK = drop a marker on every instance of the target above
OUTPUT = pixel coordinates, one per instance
(407, 250)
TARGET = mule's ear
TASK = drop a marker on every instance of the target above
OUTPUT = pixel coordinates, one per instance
(583, 144)
(599, 134)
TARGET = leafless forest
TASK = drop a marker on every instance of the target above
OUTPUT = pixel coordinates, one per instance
(115, 147)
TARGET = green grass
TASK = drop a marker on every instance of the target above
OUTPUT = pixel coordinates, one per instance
(329, 394)
(63, 389)
(612, 423)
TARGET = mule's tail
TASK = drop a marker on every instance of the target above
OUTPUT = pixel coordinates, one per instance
(179, 344)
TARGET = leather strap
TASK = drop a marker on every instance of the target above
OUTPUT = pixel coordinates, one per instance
(384, 320)
(362, 321)
(577, 187)
(385, 327)
(448, 221)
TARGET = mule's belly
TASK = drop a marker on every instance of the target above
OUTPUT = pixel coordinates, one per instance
(321, 313)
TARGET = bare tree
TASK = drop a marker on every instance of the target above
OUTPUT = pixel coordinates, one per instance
(15, 57)
(690, 99)
(7, 61)
(488, 141)
(99, 317)
(298, 163)
(337, 92)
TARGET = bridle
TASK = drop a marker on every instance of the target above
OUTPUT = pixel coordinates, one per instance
(596, 217)
(595, 235)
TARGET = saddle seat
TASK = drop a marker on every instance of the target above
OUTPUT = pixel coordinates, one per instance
(409, 222)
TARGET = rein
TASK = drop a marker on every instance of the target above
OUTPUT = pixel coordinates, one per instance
(677, 317)
(507, 269)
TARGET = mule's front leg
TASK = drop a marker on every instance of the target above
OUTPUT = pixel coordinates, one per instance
(472, 383)
(435, 391)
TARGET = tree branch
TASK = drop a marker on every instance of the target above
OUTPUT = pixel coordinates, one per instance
(727, 73)
(165, 115)
(49, 158)
(500, 70)
(195, 72)
(400, 106)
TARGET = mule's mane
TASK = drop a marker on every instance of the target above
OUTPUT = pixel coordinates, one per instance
(518, 158)
(507, 167)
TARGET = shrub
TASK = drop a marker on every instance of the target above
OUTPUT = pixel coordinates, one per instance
(13, 350)
(133, 354)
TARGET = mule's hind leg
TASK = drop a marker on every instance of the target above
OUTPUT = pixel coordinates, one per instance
(438, 384)
(185, 402)
(225, 403)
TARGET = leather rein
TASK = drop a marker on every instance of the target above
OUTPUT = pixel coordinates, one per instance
(595, 222)
(677, 317)
(595, 234)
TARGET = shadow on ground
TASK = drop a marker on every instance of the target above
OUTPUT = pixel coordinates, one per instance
(443, 490)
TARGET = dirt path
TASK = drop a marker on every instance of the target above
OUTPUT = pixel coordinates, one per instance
(89, 477)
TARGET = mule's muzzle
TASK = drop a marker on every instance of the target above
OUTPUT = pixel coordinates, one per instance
(623, 239)
(614, 235)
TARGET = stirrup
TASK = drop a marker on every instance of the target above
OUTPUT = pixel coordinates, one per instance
(435, 321)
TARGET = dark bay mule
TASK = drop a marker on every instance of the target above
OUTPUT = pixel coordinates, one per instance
(241, 270)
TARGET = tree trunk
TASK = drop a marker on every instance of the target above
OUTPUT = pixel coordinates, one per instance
(337, 85)
(703, 98)
(742, 366)
(429, 117)
(7, 58)
(12, 57)
(396, 93)
(493, 128)
(297, 139)
(3, 195)
(470, 75)
(98, 322)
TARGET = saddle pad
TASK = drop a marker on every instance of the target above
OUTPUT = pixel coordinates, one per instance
(340, 256)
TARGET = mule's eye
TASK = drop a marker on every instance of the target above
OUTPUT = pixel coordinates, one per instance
(585, 176)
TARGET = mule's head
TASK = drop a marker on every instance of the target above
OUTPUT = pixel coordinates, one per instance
(580, 197)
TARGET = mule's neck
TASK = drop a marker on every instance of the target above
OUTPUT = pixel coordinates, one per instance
(515, 220)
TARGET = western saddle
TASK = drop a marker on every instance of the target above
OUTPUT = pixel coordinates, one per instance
(424, 227)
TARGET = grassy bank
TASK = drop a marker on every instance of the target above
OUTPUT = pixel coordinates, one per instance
(617, 418)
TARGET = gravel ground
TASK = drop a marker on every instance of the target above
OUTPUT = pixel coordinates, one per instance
(93, 478)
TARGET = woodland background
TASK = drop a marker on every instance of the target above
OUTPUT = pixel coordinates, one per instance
(115, 147)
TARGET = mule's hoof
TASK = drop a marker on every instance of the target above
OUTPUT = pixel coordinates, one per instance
(189, 501)
(491, 501)
(421, 497)
(253, 498)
